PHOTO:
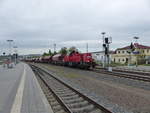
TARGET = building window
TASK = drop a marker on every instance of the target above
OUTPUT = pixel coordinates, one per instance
(126, 60)
(114, 60)
(119, 60)
(123, 60)
(122, 51)
(118, 51)
(148, 51)
(143, 51)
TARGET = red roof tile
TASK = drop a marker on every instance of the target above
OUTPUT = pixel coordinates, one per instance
(136, 45)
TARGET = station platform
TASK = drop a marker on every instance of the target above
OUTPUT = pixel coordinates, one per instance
(20, 91)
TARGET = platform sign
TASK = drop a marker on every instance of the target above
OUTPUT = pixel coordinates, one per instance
(136, 52)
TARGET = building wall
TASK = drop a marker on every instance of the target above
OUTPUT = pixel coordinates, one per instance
(122, 56)
(100, 56)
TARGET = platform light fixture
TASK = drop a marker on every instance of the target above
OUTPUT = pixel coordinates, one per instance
(9, 41)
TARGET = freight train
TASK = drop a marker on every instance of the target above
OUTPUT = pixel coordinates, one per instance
(74, 59)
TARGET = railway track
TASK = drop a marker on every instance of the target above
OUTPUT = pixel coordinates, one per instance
(128, 71)
(63, 98)
(125, 74)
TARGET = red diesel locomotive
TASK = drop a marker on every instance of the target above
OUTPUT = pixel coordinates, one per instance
(74, 59)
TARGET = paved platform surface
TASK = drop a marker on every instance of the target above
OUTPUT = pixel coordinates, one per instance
(20, 91)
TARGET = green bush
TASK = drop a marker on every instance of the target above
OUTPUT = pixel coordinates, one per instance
(113, 64)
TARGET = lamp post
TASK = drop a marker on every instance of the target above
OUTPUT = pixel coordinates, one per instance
(15, 54)
(10, 41)
(4, 53)
(103, 36)
(4, 59)
(136, 39)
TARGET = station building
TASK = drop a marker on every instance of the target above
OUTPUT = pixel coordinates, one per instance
(139, 55)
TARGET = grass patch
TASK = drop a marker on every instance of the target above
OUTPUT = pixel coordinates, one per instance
(117, 64)
(1, 62)
(145, 65)
(61, 72)
(71, 75)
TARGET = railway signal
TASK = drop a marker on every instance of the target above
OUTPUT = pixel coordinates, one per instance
(106, 42)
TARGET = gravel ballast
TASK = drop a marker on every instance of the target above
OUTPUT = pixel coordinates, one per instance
(130, 94)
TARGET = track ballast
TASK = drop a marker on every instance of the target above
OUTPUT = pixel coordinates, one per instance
(68, 99)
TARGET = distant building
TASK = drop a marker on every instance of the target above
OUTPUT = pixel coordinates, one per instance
(29, 56)
(139, 55)
(99, 56)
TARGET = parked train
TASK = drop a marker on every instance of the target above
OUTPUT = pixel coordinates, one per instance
(74, 59)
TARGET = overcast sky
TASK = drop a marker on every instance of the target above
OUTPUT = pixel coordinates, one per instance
(35, 25)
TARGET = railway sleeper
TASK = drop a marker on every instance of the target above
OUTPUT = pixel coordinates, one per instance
(79, 104)
(52, 99)
(54, 103)
(70, 97)
(67, 94)
(74, 100)
(64, 92)
(57, 86)
(85, 109)
(61, 111)
(57, 108)
(96, 111)
(58, 91)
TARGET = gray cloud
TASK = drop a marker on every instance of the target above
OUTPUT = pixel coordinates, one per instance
(38, 24)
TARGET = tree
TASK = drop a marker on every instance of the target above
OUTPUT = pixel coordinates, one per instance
(50, 52)
(73, 48)
(54, 53)
(63, 50)
(44, 54)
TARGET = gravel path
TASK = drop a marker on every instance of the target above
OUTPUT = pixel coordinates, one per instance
(130, 94)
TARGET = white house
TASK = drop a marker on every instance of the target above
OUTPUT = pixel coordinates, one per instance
(99, 56)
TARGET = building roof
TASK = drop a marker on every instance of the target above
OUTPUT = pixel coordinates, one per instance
(136, 45)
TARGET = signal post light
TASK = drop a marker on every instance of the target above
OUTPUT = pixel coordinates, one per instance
(106, 42)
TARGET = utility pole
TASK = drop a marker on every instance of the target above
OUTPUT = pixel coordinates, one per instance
(54, 47)
(87, 47)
